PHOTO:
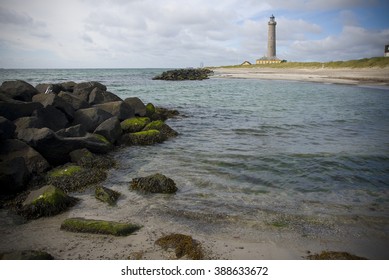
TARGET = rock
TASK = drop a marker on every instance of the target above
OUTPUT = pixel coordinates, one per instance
(164, 113)
(13, 175)
(156, 183)
(150, 109)
(34, 162)
(91, 118)
(51, 118)
(27, 122)
(98, 96)
(56, 101)
(19, 90)
(165, 130)
(7, 129)
(68, 86)
(56, 149)
(134, 124)
(17, 109)
(184, 74)
(184, 245)
(26, 255)
(110, 129)
(70, 177)
(331, 255)
(83, 90)
(46, 201)
(138, 106)
(119, 109)
(49, 88)
(98, 226)
(142, 138)
(76, 102)
(106, 195)
(83, 157)
(73, 131)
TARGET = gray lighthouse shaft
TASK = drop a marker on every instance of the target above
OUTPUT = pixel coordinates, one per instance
(271, 38)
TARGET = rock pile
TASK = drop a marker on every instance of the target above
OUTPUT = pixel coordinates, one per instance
(185, 74)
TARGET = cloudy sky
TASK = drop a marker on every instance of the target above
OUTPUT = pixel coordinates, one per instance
(182, 33)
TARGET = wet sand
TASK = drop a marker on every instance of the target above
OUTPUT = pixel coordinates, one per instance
(349, 76)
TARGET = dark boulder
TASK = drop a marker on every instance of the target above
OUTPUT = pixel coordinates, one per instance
(68, 86)
(91, 118)
(73, 131)
(165, 130)
(13, 175)
(49, 88)
(83, 157)
(7, 129)
(83, 90)
(98, 96)
(76, 102)
(51, 117)
(156, 183)
(35, 162)
(184, 74)
(119, 109)
(138, 106)
(110, 129)
(17, 109)
(18, 90)
(56, 101)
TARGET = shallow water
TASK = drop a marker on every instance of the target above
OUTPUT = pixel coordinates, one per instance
(254, 154)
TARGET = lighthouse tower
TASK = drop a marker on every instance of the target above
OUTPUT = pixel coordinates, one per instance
(271, 38)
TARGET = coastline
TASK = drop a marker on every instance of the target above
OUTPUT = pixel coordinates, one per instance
(348, 76)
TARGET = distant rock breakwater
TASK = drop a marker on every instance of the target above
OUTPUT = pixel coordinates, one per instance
(185, 74)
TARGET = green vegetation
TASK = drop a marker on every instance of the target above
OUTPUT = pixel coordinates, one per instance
(184, 245)
(360, 63)
(67, 170)
(134, 124)
(106, 195)
(98, 226)
(148, 137)
(101, 138)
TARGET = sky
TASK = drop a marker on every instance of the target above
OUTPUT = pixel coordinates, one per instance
(186, 33)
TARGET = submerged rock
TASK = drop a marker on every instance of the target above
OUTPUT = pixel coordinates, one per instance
(26, 255)
(99, 227)
(184, 74)
(165, 130)
(184, 245)
(156, 183)
(106, 195)
(46, 201)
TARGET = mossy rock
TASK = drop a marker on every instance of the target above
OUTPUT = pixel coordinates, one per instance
(150, 109)
(85, 158)
(98, 226)
(134, 124)
(143, 138)
(156, 183)
(165, 130)
(26, 255)
(331, 255)
(184, 245)
(106, 195)
(46, 201)
(165, 113)
(72, 177)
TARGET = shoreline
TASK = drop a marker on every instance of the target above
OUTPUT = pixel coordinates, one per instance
(346, 76)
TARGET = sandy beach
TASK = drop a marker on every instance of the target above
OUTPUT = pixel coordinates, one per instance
(349, 76)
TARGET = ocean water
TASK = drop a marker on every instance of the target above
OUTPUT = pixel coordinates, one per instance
(256, 154)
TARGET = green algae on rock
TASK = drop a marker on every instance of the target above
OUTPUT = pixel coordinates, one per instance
(165, 130)
(156, 183)
(184, 245)
(134, 124)
(46, 201)
(26, 255)
(106, 195)
(142, 138)
(98, 226)
(85, 158)
(331, 255)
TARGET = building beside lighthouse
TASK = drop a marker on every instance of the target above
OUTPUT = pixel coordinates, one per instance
(271, 44)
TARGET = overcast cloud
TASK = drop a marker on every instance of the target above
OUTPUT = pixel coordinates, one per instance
(173, 33)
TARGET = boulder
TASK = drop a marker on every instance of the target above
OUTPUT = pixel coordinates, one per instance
(13, 175)
(17, 109)
(83, 90)
(165, 130)
(76, 102)
(91, 118)
(27, 122)
(183, 245)
(18, 90)
(134, 124)
(51, 117)
(138, 106)
(72, 131)
(49, 88)
(106, 195)
(142, 138)
(184, 74)
(35, 162)
(98, 226)
(110, 129)
(7, 129)
(56, 101)
(46, 201)
(156, 183)
(119, 109)
(68, 86)
(56, 149)
(98, 96)
(83, 157)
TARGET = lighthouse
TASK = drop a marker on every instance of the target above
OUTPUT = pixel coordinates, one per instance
(271, 38)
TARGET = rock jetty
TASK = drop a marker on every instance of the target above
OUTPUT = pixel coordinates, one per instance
(185, 74)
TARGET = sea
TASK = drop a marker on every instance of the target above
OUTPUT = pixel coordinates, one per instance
(254, 155)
